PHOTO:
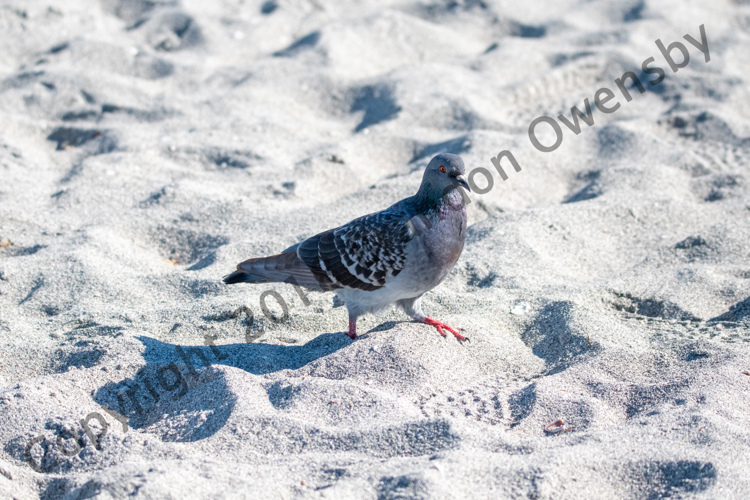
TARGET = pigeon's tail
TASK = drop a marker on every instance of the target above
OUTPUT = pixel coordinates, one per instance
(283, 268)
(242, 277)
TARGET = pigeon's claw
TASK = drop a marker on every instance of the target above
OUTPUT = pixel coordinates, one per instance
(439, 326)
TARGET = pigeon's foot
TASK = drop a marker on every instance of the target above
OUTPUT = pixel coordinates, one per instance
(352, 330)
(440, 326)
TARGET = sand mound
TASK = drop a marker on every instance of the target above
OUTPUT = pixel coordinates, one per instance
(148, 146)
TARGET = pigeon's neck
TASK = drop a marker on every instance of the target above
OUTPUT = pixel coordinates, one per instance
(429, 198)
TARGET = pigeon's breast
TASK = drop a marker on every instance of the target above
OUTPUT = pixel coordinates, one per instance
(439, 248)
(447, 241)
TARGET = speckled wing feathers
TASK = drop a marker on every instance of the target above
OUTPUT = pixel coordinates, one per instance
(364, 253)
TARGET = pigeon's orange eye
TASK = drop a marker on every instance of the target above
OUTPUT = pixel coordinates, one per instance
(442, 169)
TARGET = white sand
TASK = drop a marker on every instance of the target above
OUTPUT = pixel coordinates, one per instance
(606, 284)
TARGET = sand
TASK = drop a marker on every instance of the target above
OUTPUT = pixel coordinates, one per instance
(148, 146)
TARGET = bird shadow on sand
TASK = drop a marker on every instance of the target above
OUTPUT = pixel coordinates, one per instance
(254, 357)
(383, 327)
(180, 394)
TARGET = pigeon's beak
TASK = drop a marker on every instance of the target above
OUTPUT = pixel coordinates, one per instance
(462, 182)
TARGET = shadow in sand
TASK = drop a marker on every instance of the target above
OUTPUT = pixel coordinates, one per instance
(388, 325)
(552, 338)
(738, 313)
(162, 396)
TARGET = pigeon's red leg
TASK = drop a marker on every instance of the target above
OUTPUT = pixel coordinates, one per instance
(352, 329)
(440, 326)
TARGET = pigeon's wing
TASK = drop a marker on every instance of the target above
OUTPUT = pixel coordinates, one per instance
(292, 248)
(365, 253)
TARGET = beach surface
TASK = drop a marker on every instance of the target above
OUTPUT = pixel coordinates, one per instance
(148, 146)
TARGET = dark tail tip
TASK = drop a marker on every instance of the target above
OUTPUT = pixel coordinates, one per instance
(236, 277)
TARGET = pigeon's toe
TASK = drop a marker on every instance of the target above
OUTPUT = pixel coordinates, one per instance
(439, 326)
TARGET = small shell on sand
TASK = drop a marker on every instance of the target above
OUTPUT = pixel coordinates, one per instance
(558, 427)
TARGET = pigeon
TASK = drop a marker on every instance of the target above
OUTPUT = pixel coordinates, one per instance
(389, 257)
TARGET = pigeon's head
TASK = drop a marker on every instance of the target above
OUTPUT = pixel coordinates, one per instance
(444, 173)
